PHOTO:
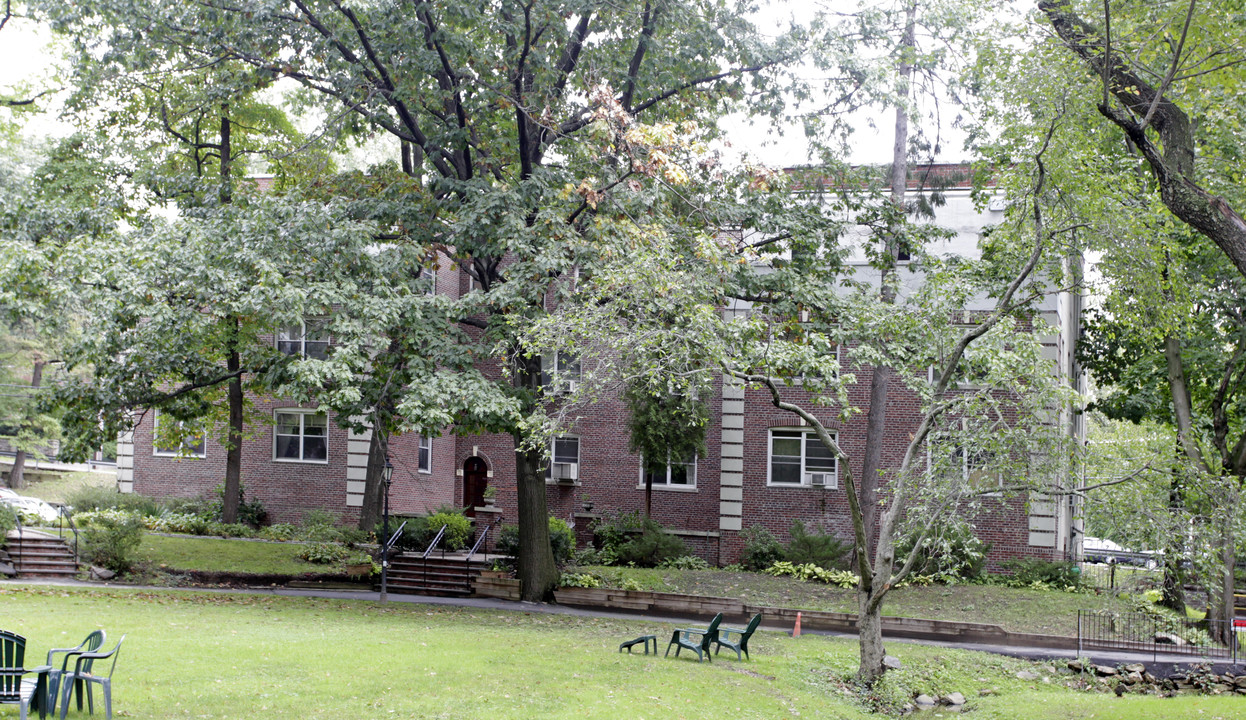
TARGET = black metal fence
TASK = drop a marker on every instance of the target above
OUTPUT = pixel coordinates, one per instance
(1143, 633)
(1121, 576)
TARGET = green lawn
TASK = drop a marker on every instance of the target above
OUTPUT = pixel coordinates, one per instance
(206, 655)
(210, 554)
(1019, 610)
(58, 487)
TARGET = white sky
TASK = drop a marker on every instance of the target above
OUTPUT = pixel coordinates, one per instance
(26, 57)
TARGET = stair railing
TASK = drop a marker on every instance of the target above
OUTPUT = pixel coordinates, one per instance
(429, 551)
(63, 511)
(467, 562)
(17, 518)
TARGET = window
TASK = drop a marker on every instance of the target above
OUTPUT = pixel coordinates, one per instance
(946, 456)
(798, 458)
(309, 339)
(560, 371)
(673, 474)
(301, 436)
(192, 444)
(428, 276)
(426, 454)
(564, 459)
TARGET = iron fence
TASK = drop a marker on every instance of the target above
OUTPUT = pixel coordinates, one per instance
(1120, 577)
(1143, 633)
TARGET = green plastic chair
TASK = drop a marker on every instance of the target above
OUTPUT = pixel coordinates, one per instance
(13, 689)
(741, 642)
(696, 639)
(92, 643)
(82, 675)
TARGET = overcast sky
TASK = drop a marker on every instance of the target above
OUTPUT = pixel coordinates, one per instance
(26, 55)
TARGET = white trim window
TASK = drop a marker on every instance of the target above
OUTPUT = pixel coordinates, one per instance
(674, 475)
(429, 275)
(975, 467)
(426, 454)
(300, 436)
(190, 445)
(798, 459)
(561, 371)
(308, 339)
(564, 463)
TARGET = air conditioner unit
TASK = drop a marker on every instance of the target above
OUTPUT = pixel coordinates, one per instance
(820, 479)
(565, 472)
(570, 386)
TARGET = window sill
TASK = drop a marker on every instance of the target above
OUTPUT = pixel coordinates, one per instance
(800, 486)
(292, 461)
(670, 488)
(175, 456)
(563, 483)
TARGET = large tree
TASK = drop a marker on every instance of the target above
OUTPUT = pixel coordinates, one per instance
(502, 114)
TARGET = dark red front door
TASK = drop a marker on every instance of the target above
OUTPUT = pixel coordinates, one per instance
(475, 480)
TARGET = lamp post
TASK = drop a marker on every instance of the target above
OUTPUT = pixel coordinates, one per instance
(387, 476)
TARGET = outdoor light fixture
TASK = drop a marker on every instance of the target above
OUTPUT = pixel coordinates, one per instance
(387, 477)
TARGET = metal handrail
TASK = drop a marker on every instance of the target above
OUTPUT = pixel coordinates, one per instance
(17, 517)
(481, 540)
(433, 544)
(62, 510)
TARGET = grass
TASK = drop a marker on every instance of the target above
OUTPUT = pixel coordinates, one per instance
(205, 655)
(1048, 612)
(210, 554)
(59, 486)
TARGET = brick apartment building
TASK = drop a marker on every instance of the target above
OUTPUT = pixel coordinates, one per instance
(760, 469)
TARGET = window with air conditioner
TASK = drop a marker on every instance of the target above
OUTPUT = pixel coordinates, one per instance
(799, 459)
(564, 466)
(560, 373)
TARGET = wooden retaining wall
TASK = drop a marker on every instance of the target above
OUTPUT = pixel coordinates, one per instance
(736, 611)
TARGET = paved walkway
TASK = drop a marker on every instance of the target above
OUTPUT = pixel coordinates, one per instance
(1159, 665)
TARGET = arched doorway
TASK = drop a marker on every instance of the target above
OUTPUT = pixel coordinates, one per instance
(475, 480)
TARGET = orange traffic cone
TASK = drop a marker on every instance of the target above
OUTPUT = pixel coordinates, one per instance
(796, 630)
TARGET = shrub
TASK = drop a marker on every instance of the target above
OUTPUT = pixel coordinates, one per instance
(111, 541)
(458, 528)
(807, 572)
(761, 548)
(323, 553)
(180, 522)
(7, 523)
(613, 532)
(954, 553)
(581, 580)
(280, 531)
(825, 551)
(251, 513)
(1056, 575)
(687, 562)
(651, 546)
(561, 540)
(89, 499)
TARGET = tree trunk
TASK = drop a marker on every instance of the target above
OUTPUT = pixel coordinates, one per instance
(880, 381)
(373, 484)
(233, 442)
(17, 476)
(537, 570)
(1223, 595)
(1174, 550)
(870, 638)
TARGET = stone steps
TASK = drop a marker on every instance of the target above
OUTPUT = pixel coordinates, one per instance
(36, 554)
